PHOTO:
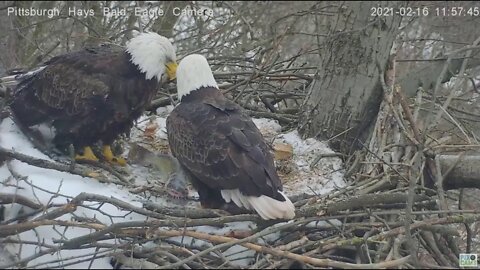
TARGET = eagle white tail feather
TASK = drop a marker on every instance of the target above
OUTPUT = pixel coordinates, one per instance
(266, 207)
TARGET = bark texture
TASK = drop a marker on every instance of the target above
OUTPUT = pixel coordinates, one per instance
(344, 98)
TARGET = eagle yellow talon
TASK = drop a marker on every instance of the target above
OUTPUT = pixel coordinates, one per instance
(107, 153)
(87, 155)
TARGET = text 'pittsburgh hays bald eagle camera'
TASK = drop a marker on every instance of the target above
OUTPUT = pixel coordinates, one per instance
(222, 151)
(94, 94)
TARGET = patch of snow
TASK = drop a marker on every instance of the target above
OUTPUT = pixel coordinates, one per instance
(163, 112)
(239, 255)
(323, 177)
(267, 127)
(6, 255)
(46, 186)
(12, 139)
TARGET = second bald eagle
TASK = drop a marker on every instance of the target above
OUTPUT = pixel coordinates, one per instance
(96, 93)
(220, 147)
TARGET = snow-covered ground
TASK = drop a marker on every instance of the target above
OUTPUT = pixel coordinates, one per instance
(46, 186)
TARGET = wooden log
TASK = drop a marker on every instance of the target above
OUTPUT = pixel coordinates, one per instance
(465, 173)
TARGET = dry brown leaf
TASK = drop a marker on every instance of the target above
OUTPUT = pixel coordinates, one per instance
(151, 130)
(283, 151)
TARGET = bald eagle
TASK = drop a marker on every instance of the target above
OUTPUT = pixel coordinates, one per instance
(221, 149)
(94, 94)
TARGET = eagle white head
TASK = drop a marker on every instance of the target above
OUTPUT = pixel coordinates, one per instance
(193, 73)
(154, 55)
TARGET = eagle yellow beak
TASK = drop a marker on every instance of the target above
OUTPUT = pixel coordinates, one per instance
(172, 70)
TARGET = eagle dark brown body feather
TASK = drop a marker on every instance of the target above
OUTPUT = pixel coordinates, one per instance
(90, 95)
(221, 148)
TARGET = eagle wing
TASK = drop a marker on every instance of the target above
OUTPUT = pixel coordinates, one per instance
(70, 85)
(222, 147)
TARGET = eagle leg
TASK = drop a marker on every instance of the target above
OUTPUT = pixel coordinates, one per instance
(110, 157)
(87, 155)
(209, 198)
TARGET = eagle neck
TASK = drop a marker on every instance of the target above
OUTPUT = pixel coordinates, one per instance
(201, 93)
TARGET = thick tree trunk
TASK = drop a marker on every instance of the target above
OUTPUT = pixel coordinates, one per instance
(344, 98)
